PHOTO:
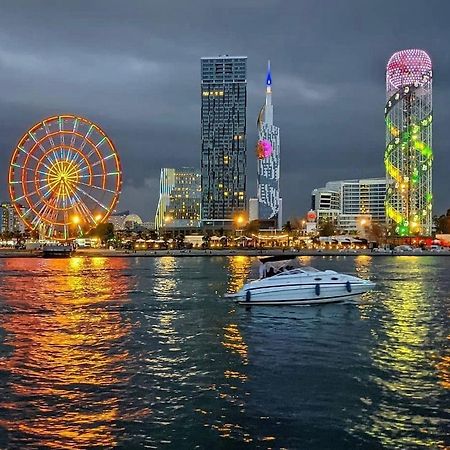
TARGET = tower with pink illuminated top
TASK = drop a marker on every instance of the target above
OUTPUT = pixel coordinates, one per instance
(268, 155)
(409, 156)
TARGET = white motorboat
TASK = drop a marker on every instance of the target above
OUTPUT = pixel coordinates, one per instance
(282, 284)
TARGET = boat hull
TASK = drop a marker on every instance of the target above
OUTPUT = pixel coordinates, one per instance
(57, 251)
(309, 294)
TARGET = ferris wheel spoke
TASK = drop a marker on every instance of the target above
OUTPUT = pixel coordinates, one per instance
(48, 133)
(74, 130)
(76, 162)
(73, 166)
(92, 198)
(101, 161)
(100, 175)
(28, 168)
(66, 224)
(29, 181)
(31, 207)
(32, 156)
(59, 195)
(83, 206)
(85, 138)
(37, 142)
(97, 187)
(50, 160)
(42, 214)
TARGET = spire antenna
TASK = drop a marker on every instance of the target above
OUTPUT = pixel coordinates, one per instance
(269, 75)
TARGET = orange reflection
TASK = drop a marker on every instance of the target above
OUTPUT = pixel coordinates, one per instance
(61, 337)
(444, 370)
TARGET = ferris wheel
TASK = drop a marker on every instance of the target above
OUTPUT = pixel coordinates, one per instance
(65, 177)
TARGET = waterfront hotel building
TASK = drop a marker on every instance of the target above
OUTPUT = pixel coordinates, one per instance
(179, 199)
(347, 201)
(223, 139)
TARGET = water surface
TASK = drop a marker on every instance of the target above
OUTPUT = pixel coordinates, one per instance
(144, 353)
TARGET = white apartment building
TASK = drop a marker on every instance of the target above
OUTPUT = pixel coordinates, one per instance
(350, 201)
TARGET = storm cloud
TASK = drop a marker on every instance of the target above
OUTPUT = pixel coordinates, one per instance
(134, 67)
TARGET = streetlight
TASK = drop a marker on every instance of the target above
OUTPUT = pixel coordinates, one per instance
(239, 221)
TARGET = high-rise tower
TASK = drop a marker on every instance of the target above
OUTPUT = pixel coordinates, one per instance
(223, 135)
(268, 154)
(409, 156)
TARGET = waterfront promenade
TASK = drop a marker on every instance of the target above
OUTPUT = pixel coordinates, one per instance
(12, 253)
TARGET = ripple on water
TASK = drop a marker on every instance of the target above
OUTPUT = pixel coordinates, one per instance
(144, 352)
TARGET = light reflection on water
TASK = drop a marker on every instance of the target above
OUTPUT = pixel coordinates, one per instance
(143, 352)
(60, 352)
(404, 359)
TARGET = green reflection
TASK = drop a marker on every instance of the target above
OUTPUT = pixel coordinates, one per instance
(403, 364)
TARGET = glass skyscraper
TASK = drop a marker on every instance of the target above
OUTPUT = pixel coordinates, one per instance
(223, 136)
(179, 199)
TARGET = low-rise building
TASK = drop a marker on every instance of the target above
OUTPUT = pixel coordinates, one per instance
(125, 221)
(10, 221)
(351, 204)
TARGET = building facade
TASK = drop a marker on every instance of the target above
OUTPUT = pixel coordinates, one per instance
(326, 202)
(348, 201)
(268, 161)
(10, 221)
(223, 138)
(253, 213)
(179, 199)
(409, 156)
(125, 220)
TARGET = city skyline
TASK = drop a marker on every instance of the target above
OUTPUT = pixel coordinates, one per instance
(141, 85)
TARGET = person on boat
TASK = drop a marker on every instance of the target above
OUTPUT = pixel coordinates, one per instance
(262, 270)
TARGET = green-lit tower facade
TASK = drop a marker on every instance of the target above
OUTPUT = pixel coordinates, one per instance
(409, 155)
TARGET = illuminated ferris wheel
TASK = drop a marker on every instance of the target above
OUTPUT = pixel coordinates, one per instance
(65, 177)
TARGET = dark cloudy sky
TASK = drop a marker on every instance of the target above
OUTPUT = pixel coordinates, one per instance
(133, 66)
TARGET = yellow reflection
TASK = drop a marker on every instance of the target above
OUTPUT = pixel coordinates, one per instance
(363, 264)
(306, 260)
(239, 269)
(233, 341)
(166, 278)
(61, 351)
(401, 353)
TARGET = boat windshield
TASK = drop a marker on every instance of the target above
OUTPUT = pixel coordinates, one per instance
(277, 266)
(305, 269)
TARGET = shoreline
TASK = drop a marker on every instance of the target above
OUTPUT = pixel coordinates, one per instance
(95, 253)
